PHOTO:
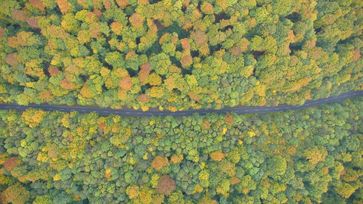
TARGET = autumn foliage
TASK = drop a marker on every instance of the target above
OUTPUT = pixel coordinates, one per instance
(180, 55)
(113, 53)
(217, 156)
(166, 185)
(159, 162)
(212, 158)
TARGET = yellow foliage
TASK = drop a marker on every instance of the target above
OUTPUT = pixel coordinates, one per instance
(65, 121)
(154, 79)
(121, 73)
(154, 180)
(325, 171)
(116, 27)
(145, 196)
(291, 150)
(33, 117)
(261, 90)
(316, 155)
(109, 83)
(84, 36)
(224, 131)
(29, 84)
(247, 71)
(192, 81)
(228, 168)
(246, 98)
(203, 176)
(170, 83)
(131, 160)
(33, 176)
(2, 89)
(156, 92)
(172, 108)
(198, 188)
(108, 173)
(346, 190)
(122, 95)
(104, 71)
(223, 188)
(222, 3)
(344, 78)
(295, 86)
(144, 108)
(132, 192)
(176, 159)
(3, 158)
(86, 92)
(251, 133)
(245, 190)
(42, 157)
(33, 68)
(207, 200)
(57, 177)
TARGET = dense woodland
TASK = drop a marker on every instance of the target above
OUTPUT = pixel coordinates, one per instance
(307, 156)
(176, 55)
(179, 54)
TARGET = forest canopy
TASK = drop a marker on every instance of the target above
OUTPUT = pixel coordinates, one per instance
(306, 156)
(178, 54)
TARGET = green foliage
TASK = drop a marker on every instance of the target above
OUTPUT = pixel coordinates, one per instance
(249, 52)
(307, 156)
(277, 165)
(178, 55)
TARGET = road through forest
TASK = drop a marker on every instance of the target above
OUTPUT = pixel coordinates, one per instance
(155, 112)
